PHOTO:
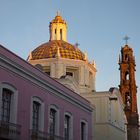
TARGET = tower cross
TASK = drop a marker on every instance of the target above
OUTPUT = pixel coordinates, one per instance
(126, 38)
(58, 13)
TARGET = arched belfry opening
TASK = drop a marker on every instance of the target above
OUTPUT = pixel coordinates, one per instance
(127, 75)
(127, 100)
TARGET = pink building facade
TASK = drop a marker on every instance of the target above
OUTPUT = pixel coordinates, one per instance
(34, 106)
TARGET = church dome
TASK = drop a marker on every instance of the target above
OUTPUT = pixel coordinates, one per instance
(52, 48)
(57, 45)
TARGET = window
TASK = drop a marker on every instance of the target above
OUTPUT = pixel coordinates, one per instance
(48, 72)
(127, 99)
(35, 119)
(126, 57)
(60, 34)
(55, 34)
(68, 126)
(6, 103)
(126, 75)
(52, 121)
(69, 73)
(37, 114)
(73, 72)
(53, 128)
(83, 130)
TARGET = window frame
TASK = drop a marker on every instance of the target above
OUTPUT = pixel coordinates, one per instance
(61, 34)
(127, 75)
(6, 105)
(35, 115)
(41, 113)
(14, 101)
(70, 125)
(86, 129)
(54, 107)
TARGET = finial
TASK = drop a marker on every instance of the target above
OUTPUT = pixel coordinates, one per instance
(58, 53)
(85, 56)
(30, 56)
(94, 63)
(126, 38)
(58, 12)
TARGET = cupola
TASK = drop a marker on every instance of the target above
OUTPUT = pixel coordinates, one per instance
(58, 28)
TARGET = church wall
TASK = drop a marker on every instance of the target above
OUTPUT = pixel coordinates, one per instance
(106, 131)
(101, 105)
(109, 122)
(29, 83)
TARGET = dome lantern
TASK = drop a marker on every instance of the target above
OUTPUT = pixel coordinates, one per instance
(58, 28)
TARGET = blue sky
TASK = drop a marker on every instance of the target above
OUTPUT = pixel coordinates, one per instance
(97, 25)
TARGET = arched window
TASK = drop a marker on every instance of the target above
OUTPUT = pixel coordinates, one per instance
(60, 34)
(127, 99)
(126, 75)
(8, 103)
(55, 34)
(53, 121)
(68, 126)
(37, 114)
(84, 130)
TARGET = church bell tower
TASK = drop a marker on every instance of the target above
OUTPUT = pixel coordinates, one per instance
(128, 91)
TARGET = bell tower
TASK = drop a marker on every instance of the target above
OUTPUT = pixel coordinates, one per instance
(128, 90)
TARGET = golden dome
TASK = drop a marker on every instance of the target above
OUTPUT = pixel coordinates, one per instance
(50, 50)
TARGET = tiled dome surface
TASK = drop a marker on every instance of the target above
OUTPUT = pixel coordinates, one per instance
(49, 50)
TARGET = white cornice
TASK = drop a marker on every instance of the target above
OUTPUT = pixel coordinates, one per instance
(71, 62)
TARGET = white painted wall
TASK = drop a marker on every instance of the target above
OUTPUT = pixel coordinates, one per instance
(109, 116)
